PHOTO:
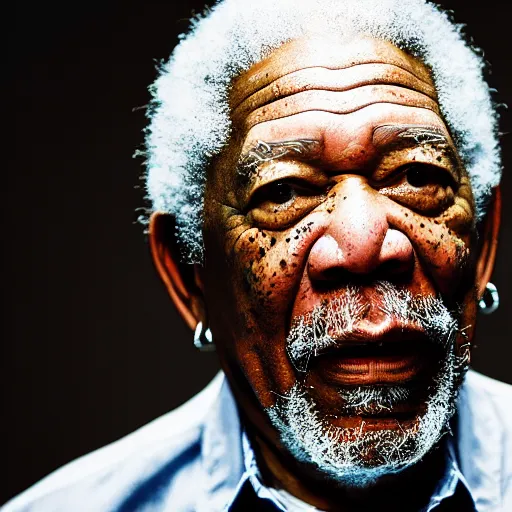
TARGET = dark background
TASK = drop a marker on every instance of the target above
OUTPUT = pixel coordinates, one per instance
(91, 346)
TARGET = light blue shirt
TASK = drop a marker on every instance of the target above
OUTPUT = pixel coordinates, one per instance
(197, 458)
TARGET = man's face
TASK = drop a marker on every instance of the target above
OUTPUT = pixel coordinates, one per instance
(339, 242)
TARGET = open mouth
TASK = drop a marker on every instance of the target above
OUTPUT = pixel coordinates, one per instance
(387, 363)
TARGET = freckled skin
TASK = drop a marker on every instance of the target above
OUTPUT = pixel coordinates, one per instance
(267, 262)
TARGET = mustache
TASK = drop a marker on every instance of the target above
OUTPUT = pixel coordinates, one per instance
(310, 335)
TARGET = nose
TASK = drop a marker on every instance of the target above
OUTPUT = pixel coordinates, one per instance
(358, 239)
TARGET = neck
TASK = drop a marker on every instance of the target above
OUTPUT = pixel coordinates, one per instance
(414, 486)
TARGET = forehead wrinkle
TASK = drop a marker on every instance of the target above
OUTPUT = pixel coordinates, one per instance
(339, 102)
(316, 52)
(250, 126)
(286, 86)
(241, 92)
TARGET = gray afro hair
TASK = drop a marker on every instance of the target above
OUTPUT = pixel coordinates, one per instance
(189, 116)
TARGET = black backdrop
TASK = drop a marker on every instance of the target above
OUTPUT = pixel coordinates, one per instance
(91, 345)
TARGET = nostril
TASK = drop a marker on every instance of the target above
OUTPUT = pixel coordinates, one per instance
(392, 267)
(335, 274)
(395, 269)
(335, 262)
(396, 259)
(336, 277)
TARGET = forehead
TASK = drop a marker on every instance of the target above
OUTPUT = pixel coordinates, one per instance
(327, 52)
(334, 91)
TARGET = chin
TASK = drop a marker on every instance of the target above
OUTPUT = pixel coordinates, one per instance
(361, 445)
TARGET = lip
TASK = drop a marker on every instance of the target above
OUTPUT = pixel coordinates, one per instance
(370, 370)
(392, 356)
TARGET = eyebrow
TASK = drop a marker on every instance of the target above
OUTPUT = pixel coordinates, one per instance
(384, 137)
(300, 149)
(389, 137)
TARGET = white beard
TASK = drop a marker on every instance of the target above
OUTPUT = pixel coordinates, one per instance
(355, 457)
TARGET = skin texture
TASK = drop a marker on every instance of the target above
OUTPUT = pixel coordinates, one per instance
(340, 171)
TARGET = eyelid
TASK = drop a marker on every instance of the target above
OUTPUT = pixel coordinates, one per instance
(443, 157)
(297, 183)
(395, 175)
(296, 172)
(430, 196)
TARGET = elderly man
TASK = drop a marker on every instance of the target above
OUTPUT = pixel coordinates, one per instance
(324, 184)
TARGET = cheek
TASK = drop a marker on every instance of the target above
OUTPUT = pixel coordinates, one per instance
(444, 253)
(269, 266)
(263, 270)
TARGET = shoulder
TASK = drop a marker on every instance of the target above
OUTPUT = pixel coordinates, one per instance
(485, 440)
(488, 384)
(486, 401)
(104, 478)
(497, 394)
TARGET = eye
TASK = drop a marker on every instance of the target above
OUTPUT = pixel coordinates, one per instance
(279, 192)
(280, 204)
(424, 188)
(422, 175)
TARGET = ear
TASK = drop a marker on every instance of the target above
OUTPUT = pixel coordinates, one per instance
(489, 242)
(181, 279)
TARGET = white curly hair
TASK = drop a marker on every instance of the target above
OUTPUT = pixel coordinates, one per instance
(189, 117)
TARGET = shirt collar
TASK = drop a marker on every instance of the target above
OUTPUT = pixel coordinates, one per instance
(451, 486)
(230, 467)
